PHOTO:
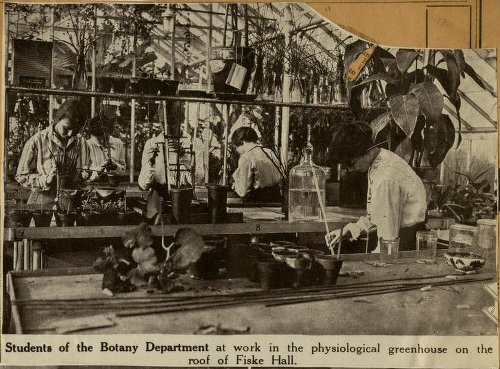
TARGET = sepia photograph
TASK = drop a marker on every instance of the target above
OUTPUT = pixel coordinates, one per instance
(243, 169)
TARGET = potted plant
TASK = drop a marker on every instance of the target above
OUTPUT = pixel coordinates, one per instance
(42, 218)
(414, 103)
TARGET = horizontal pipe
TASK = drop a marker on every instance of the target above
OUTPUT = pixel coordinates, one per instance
(121, 96)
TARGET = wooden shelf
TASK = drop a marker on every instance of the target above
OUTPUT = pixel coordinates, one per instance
(249, 227)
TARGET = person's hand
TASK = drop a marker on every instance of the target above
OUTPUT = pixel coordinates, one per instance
(86, 174)
(333, 237)
(152, 154)
(51, 177)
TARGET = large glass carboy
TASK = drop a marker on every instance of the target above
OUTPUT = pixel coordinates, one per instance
(305, 181)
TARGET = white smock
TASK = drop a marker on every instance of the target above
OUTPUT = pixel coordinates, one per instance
(396, 197)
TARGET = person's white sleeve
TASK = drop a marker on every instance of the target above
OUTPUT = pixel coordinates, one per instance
(27, 163)
(146, 176)
(356, 229)
(242, 177)
(387, 203)
(121, 160)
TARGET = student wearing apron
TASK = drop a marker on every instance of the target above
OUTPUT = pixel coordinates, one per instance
(257, 177)
(55, 148)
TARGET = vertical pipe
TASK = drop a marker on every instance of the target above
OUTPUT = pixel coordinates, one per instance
(285, 126)
(246, 24)
(51, 97)
(226, 135)
(166, 152)
(6, 79)
(206, 152)
(469, 156)
(132, 114)
(94, 54)
(209, 49)
(277, 119)
(172, 50)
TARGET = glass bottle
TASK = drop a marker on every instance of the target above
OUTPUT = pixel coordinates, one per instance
(306, 180)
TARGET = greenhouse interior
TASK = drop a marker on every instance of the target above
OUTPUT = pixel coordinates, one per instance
(305, 157)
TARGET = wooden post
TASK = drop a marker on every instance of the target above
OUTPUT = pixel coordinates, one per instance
(37, 256)
(94, 53)
(20, 255)
(132, 114)
(26, 254)
(226, 135)
(285, 123)
(15, 255)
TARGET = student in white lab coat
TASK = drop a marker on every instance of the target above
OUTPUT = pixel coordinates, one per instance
(396, 199)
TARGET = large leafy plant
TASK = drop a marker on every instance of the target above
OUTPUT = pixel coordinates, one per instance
(410, 89)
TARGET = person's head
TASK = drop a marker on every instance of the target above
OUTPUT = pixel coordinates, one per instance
(99, 126)
(350, 145)
(69, 118)
(242, 136)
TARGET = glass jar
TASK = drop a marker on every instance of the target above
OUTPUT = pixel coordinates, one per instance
(487, 237)
(463, 238)
(306, 180)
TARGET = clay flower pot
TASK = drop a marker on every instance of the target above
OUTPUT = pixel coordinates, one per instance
(18, 218)
(88, 219)
(238, 260)
(220, 243)
(310, 253)
(284, 244)
(207, 266)
(128, 218)
(42, 219)
(281, 255)
(65, 219)
(330, 266)
(270, 273)
(217, 202)
(181, 204)
(113, 179)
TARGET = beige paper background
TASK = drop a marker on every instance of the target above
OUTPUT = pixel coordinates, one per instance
(410, 23)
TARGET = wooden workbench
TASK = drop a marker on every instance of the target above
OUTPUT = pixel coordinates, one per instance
(255, 221)
(441, 310)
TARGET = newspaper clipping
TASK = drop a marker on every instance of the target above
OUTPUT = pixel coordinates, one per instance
(249, 184)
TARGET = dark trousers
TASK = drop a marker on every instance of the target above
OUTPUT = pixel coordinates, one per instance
(263, 195)
(407, 241)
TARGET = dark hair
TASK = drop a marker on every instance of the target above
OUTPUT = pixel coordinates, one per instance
(349, 142)
(74, 111)
(100, 125)
(244, 134)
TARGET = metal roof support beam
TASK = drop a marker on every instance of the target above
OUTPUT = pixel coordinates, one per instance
(454, 114)
(477, 107)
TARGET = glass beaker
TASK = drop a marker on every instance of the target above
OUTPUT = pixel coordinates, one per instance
(462, 238)
(426, 245)
(487, 237)
(389, 250)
